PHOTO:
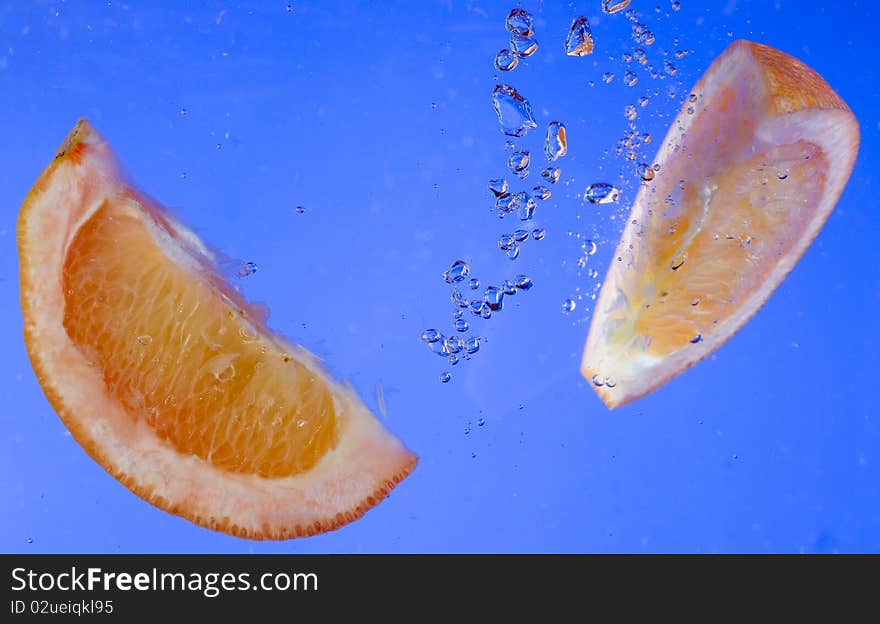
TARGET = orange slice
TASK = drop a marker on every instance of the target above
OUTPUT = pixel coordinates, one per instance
(749, 172)
(170, 380)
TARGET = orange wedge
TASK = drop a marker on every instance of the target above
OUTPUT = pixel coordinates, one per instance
(169, 380)
(749, 172)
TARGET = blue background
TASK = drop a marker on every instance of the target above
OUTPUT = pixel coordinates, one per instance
(376, 118)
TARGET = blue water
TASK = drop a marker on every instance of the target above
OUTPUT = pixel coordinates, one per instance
(376, 118)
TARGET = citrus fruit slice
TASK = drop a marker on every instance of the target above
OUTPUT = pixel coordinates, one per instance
(169, 379)
(748, 173)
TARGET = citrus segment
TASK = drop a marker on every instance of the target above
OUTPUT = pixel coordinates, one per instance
(748, 173)
(170, 380)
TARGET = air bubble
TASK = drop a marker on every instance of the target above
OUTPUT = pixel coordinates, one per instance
(646, 172)
(445, 377)
(474, 283)
(613, 6)
(456, 272)
(601, 193)
(249, 268)
(493, 298)
(538, 234)
(519, 22)
(579, 41)
(513, 110)
(523, 282)
(568, 305)
(541, 192)
(555, 144)
(551, 174)
(431, 335)
(518, 163)
(499, 187)
(506, 60)
(461, 325)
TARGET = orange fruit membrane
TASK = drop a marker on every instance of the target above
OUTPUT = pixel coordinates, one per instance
(169, 379)
(749, 172)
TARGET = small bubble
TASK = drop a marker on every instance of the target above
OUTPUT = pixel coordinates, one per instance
(299, 210)
(524, 205)
(629, 111)
(520, 235)
(782, 175)
(513, 110)
(607, 77)
(538, 234)
(519, 22)
(505, 242)
(474, 283)
(508, 287)
(597, 381)
(589, 247)
(643, 101)
(640, 56)
(506, 60)
(613, 6)
(183, 112)
(669, 68)
(541, 192)
(431, 335)
(458, 299)
(461, 325)
(445, 377)
(551, 174)
(518, 163)
(610, 382)
(555, 143)
(499, 187)
(676, 5)
(523, 282)
(456, 272)
(493, 298)
(568, 305)
(646, 172)
(486, 313)
(30, 540)
(145, 339)
(452, 344)
(697, 338)
(300, 423)
(630, 79)
(513, 252)
(472, 344)
(601, 193)
(523, 45)
(690, 110)
(579, 41)
(453, 359)
(249, 268)
(695, 302)
(480, 422)
(680, 54)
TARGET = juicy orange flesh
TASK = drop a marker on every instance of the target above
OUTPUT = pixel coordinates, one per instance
(726, 208)
(179, 355)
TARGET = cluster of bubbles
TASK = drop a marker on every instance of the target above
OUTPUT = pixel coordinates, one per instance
(643, 67)
(461, 345)
(516, 119)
